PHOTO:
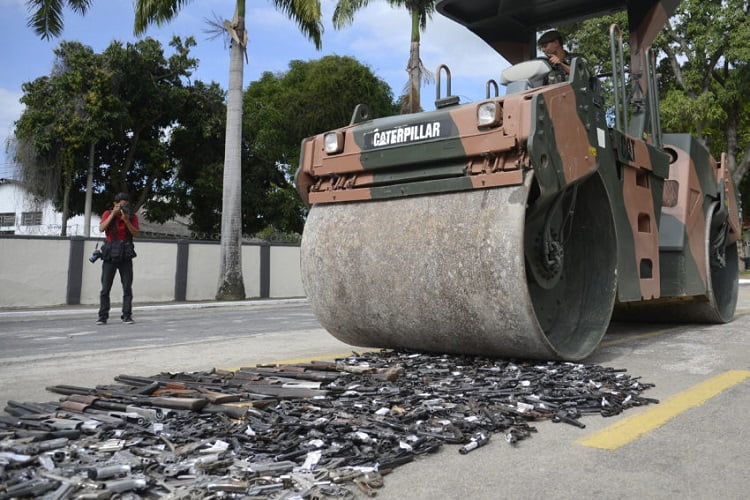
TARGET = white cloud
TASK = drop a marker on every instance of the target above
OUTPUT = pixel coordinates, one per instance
(10, 111)
(379, 37)
(380, 34)
(266, 16)
(461, 49)
(10, 105)
(378, 29)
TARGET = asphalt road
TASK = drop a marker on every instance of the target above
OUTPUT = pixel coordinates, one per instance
(693, 445)
(64, 331)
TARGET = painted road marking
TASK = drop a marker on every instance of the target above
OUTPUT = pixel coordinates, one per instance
(631, 428)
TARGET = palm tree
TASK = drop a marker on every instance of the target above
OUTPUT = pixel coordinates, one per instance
(47, 21)
(420, 11)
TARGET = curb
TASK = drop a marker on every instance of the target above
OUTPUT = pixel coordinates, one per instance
(192, 305)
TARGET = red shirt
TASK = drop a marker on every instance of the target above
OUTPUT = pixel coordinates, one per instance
(118, 225)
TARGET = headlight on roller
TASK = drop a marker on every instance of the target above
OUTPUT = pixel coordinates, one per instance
(333, 142)
(488, 114)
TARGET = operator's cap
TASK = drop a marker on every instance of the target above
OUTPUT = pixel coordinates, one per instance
(550, 36)
(122, 197)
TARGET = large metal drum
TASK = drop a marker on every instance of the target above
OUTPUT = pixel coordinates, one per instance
(447, 273)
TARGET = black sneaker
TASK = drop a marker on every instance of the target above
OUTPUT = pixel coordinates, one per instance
(101, 322)
(128, 321)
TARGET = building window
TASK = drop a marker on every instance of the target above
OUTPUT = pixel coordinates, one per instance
(8, 219)
(31, 219)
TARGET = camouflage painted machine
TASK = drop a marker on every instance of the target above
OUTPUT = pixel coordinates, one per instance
(518, 225)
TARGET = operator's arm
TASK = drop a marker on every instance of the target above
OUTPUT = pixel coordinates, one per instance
(557, 61)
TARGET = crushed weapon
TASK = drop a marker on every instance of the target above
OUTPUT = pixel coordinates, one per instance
(313, 430)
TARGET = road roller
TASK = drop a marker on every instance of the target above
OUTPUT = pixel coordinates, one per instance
(520, 225)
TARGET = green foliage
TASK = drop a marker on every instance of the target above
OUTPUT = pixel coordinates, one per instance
(703, 69)
(420, 12)
(197, 149)
(124, 101)
(153, 92)
(591, 38)
(46, 15)
(64, 113)
(157, 12)
(306, 13)
(704, 87)
(279, 111)
(343, 15)
(313, 96)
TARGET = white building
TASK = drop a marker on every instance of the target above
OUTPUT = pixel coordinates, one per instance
(25, 214)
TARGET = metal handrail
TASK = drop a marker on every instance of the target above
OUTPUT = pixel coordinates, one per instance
(447, 78)
(653, 99)
(491, 83)
(618, 78)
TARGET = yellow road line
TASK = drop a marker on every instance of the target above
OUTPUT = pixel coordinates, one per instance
(631, 428)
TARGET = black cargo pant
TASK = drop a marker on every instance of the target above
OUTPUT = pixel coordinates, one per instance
(109, 268)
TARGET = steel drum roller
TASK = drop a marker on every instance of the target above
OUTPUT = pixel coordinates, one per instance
(447, 273)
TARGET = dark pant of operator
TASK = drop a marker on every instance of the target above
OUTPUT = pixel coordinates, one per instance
(109, 268)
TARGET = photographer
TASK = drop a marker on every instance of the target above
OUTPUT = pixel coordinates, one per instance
(120, 225)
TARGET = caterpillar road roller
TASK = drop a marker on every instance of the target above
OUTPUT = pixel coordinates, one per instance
(518, 225)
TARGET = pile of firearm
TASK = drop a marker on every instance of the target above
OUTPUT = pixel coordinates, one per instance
(304, 430)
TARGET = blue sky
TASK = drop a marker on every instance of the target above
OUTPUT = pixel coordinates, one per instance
(379, 38)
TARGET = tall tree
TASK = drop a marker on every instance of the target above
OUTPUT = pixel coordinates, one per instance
(280, 109)
(703, 72)
(46, 20)
(65, 112)
(110, 110)
(152, 92)
(420, 12)
(307, 15)
(309, 98)
(708, 48)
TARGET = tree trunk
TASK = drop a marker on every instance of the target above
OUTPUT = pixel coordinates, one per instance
(414, 79)
(67, 181)
(89, 194)
(66, 201)
(414, 67)
(231, 286)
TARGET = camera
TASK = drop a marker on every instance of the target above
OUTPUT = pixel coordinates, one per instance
(125, 209)
(95, 256)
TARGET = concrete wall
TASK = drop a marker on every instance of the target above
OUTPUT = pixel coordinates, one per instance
(48, 271)
(32, 273)
(288, 278)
